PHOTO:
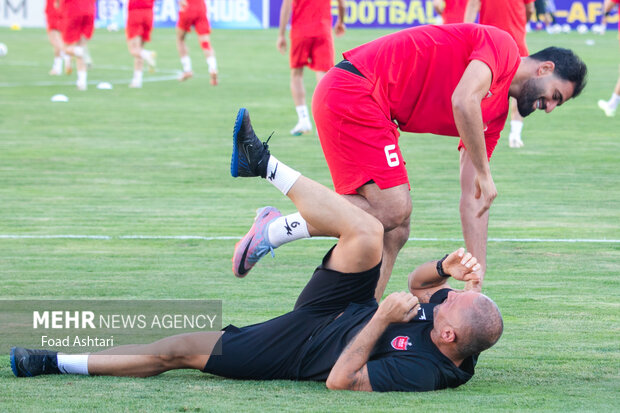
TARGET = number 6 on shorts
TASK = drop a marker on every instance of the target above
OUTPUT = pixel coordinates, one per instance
(392, 157)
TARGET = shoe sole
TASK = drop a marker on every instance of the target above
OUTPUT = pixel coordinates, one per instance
(245, 243)
(13, 363)
(234, 161)
(305, 132)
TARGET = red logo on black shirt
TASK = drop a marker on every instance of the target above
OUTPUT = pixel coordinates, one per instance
(401, 343)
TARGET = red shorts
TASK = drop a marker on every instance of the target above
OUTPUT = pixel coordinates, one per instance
(315, 52)
(54, 21)
(139, 23)
(195, 18)
(359, 141)
(77, 26)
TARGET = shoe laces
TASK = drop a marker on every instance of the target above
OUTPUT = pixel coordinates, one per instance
(265, 144)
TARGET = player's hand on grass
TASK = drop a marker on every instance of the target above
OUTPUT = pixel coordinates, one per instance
(463, 266)
(398, 307)
(281, 44)
(485, 188)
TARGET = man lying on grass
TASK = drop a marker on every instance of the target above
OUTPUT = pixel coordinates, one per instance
(426, 339)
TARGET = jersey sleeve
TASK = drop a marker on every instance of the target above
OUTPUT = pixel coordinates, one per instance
(402, 374)
(498, 50)
(440, 296)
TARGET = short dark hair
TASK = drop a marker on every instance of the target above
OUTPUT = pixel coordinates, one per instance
(568, 66)
(484, 327)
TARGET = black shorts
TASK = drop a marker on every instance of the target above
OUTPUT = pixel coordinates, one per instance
(272, 350)
(541, 7)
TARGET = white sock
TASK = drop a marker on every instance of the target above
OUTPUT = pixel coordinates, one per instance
(81, 77)
(73, 363)
(613, 102)
(302, 113)
(137, 76)
(78, 51)
(286, 229)
(57, 67)
(186, 62)
(280, 175)
(516, 126)
(145, 54)
(212, 63)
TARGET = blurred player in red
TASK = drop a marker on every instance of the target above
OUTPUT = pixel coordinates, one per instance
(194, 13)
(54, 33)
(451, 11)
(139, 27)
(312, 45)
(79, 23)
(610, 106)
(511, 16)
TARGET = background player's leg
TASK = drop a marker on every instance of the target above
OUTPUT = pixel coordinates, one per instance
(186, 62)
(392, 207)
(205, 44)
(78, 51)
(516, 125)
(610, 106)
(299, 98)
(55, 39)
(135, 48)
(319, 75)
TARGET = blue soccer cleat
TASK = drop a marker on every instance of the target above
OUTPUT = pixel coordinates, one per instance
(250, 156)
(29, 363)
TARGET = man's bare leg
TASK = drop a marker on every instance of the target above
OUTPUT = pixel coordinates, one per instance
(55, 38)
(392, 207)
(298, 91)
(183, 351)
(78, 50)
(186, 61)
(205, 44)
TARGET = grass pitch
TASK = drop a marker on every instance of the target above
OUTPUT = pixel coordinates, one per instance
(155, 162)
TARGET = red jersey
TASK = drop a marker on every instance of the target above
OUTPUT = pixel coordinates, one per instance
(454, 11)
(508, 15)
(78, 7)
(140, 4)
(311, 18)
(50, 7)
(416, 70)
(196, 6)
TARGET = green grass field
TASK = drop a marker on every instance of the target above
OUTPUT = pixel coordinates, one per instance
(155, 162)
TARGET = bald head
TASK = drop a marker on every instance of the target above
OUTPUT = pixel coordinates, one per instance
(482, 326)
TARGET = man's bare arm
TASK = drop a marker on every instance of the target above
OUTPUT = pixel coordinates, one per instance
(471, 11)
(285, 16)
(350, 371)
(439, 7)
(339, 27)
(425, 280)
(471, 89)
(530, 9)
(475, 229)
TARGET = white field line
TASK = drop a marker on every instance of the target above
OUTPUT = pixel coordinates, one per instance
(222, 238)
(166, 75)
